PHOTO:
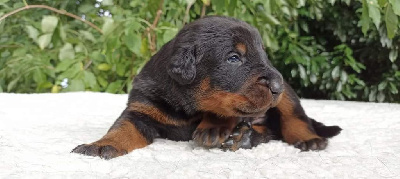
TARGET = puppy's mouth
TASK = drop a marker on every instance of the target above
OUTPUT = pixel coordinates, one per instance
(252, 113)
(259, 98)
(253, 100)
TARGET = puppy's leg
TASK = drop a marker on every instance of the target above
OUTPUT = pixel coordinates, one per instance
(213, 130)
(245, 135)
(126, 134)
(296, 127)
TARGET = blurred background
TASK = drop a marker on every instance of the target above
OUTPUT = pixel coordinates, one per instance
(326, 49)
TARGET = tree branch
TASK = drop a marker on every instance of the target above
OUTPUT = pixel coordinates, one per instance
(203, 10)
(187, 12)
(151, 34)
(63, 12)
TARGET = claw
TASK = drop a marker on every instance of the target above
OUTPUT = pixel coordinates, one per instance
(235, 133)
(313, 144)
(239, 138)
(227, 143)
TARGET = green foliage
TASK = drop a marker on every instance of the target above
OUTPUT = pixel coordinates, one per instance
(335, 49)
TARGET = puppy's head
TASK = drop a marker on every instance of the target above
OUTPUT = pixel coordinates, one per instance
(223, 61)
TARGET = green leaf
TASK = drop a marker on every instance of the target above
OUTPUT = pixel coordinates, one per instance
(104, 67)
(19, 52)
(44, 85)
(231, 7)
(335, 72)
(18, 5)
(144, 49)
(114, 86)
(96, 56)
(343, 77)
(129, 85)
(339, 86)
(2, 22)
(120, 69)
(32, 32)
(39, 76)
(393, 88)
(382, 3)
(372, 95)
(112, 44)
(270, 19)
(44, 40)
(395, 6)
(393, 54)
(67, 52)
(55, 89)
(391, 20)
(63, 35)
(89, 79)
(380, 97)
(76, 85)
(169, 34)
(218, 5)
(87, 35)
(86, 8)
(382, 85)
(72, 71)
(49, 23)
(302, 70)
(108, 25)
(64, 65)
(374, 12)
(332, 2)
(107, 2)
(11, 85)
(206, 2)
(133, 41)
(313, 78)
(302, 3)
(133, 24)
(103, 82)
(365, 21)
(79, 48)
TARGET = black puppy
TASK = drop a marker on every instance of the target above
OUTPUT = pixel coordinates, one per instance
(201, 84)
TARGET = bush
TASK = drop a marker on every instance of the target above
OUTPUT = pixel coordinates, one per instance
(335, 49)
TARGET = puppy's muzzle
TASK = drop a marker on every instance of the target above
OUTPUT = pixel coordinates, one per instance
(273, 81)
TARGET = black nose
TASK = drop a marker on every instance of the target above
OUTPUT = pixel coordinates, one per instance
(274, 83)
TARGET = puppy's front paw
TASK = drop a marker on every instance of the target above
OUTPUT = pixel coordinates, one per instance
(240, 137)
(313, 144)
(106, 152)
(210, 137)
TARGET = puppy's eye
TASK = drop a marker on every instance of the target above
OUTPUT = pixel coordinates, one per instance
(234, 59)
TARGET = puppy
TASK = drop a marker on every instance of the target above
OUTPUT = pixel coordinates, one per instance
(201, 85)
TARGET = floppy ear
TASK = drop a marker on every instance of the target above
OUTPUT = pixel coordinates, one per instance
(182, 67)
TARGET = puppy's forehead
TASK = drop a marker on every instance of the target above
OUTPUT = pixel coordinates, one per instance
(221, 32)
(245, 37)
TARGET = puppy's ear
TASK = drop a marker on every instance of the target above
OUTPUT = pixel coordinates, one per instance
(182, 67)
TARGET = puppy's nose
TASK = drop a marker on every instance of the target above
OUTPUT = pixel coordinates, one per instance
(275, 84)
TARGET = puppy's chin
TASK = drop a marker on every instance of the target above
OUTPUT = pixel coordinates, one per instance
(253, 100)
(259, 99)
(251, 112)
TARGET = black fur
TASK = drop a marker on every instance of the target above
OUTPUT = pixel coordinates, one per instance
(169, 86)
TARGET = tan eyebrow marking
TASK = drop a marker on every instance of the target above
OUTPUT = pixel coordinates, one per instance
(241, 48)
